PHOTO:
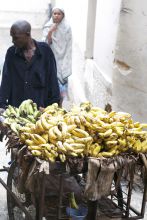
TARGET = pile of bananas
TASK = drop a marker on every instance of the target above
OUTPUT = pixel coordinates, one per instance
(83, 131)
(16, 118)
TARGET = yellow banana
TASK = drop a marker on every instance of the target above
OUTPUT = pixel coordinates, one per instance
(84, 140)
(71, 127)
(106, 154)
(36, 153)
(26, 129)
(111, 143)
(82, 119)
(54, 153)
(108, 133)
(96, 150)
(122, 142)
(78, 151)
(62, 157)
(137, 124)
(77, 120)
(119, 130)
(63, 129)
(57, 132)
(111, 114)
(22, 137)
(89, 118)
(45, 136)
(51, 134)
(52, 141)
(68, 146)
(44, 123)
(138, 146)
(144, 146)
(29, 142)
(77, 145)
(49, 156)
(70, 141)
(38, 139)
(79, 133)
(39, 148)
(38, 127)
(143, 125)
(117, 124)
(72, 154)
(60, 147)
(46, 146)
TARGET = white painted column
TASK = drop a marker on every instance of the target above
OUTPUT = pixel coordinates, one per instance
(130, 73)
(91, 17)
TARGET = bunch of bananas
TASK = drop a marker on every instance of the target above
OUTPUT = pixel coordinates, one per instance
(51, 137)
(16, 118)
(85, 130)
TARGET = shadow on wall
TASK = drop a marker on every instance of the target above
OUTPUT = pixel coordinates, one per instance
(87, 82)
(97, 89)
(76, 84)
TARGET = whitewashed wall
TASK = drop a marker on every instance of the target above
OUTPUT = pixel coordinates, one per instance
(100, 69)
(130, 77)
(33, 11)
(105, 35)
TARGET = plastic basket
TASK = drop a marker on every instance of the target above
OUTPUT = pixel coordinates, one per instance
(77, 214)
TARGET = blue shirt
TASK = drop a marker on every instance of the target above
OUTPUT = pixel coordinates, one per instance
(36, 80)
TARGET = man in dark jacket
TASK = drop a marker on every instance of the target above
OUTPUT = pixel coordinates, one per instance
(29, 70)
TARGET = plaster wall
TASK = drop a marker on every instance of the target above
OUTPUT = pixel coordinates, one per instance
(129, 76)
(34, 11)
(100, 69)
(105, 35)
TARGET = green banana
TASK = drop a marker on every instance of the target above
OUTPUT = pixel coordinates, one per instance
(73, 201)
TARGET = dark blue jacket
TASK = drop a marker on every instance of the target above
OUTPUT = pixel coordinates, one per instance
(36, 80)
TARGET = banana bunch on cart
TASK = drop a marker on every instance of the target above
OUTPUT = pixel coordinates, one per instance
(85, 130)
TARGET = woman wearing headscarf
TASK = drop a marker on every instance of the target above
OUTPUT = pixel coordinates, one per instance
(57, 33)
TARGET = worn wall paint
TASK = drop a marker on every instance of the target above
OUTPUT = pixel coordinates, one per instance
(105, 35)
(130, 84)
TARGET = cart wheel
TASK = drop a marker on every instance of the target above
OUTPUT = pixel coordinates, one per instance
(14, 211)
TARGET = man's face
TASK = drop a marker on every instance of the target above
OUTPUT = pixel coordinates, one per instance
(20, 40)
(57, 16)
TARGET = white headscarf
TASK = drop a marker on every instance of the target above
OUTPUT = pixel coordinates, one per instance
(61, 46)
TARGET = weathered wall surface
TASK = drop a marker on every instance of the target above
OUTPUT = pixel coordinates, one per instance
(129, 76)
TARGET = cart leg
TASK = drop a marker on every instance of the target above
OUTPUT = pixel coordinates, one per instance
(13, 198)
(92, 210)
(60, 197)
(40, 201)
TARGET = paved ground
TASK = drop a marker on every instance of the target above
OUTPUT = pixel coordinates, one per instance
(4, 159)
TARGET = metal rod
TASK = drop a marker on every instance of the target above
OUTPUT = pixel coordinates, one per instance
(145, 185)
(42, 193)
(133, 209)
(60, 196)
(92, 210)
(130, 189)
(29, 217)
